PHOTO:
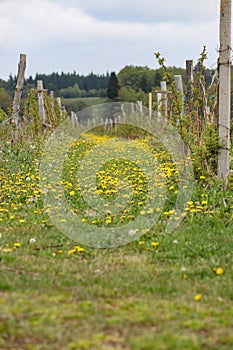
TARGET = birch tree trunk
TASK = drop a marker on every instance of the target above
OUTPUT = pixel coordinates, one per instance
(224, 65)
(17, 98)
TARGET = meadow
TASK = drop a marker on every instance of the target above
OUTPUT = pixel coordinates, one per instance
(160, 291)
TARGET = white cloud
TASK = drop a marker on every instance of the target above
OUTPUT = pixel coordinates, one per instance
(149, 10)
(109, 32)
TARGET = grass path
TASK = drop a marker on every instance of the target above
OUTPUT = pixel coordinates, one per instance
(163, 291)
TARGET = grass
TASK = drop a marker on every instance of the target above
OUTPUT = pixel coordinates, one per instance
(76, 104)
(162, 291)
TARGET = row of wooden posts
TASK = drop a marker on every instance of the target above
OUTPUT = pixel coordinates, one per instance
(162, 100)
(224, 68)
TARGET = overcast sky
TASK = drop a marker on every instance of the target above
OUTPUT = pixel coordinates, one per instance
(104, 35)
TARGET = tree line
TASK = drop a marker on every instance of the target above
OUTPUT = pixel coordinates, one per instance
(132, 83)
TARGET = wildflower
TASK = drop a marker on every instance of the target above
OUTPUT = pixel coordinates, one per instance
(32, 241)
(71, 251)
(132, 232)
(218, 271)
(71, 193)
(17, 245)
(7, 250)
(79, 249)
(154, 244)
(198, 297)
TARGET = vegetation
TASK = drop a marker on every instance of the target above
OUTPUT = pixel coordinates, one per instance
(113, 87)
(163, 290)
(174, 290)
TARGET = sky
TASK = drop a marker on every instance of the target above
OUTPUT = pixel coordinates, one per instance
(105, 35)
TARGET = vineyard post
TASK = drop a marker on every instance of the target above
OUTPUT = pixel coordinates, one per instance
(40, 92)
(179, 84)
(150, 104)
(189, 87)
(224, 67)
(17, 98)
(163, 86)
(159, 98)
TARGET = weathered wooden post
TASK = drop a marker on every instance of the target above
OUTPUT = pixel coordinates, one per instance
(179, 84)
(159, 98)
(163, 86)
(224, 66)
(17, 98)
(73, 118)
(179, 88)
(150, 104)
(52, 99)
(40, 93)
(189, 87)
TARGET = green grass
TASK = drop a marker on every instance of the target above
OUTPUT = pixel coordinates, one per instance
(76, 104)
(138, 297)
(133, 297)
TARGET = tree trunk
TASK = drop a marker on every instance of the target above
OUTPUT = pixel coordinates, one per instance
(224, 65)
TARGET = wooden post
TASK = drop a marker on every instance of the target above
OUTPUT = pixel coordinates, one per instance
(150, 104)
(51, 94)
(52, 98)
(17, 97)
(159, 98)
(40, 92)
(224, 66)
(179, 84)
(189, 88)
(163, 86)
(73, 118)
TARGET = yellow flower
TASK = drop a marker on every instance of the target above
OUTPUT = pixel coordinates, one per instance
(71, 193)
(7, 250)
(79, 249)
(198, 297)
(17, 245)
(154, 244)
(72, 251)
(63, 220)
(219, 271)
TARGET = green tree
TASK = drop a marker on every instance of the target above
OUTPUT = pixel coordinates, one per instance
(5, 100)
(113, 87)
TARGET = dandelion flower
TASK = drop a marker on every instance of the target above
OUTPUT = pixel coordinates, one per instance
(198, 297)
(219, 271)
(32, 241)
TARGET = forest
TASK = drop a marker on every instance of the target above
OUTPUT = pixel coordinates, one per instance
(134, 84)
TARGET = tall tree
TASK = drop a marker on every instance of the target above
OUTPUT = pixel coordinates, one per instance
(113, 87)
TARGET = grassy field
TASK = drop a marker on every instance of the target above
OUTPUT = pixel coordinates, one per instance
(162, 291)
(76, 104)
